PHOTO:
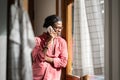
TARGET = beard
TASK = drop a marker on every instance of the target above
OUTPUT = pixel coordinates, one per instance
(58, 33)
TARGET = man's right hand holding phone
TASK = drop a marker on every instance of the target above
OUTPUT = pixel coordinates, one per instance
(51, 32)
(52, 35)
(50, 40)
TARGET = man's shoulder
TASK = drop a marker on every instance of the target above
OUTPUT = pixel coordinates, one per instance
(61, 39)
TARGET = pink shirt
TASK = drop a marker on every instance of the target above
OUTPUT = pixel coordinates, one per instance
(43, 70)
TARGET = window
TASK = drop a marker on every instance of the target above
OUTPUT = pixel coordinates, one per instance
(88, 37)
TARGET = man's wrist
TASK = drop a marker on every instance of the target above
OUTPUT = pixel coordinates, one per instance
(48, 59)
(45, 47)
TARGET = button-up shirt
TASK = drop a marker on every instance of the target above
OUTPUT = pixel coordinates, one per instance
(43, 70)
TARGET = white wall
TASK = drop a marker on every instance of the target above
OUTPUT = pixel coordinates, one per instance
(3, 38)
(43, 8)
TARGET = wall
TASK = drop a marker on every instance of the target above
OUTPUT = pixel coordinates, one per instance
(3, 38)
(112, 40)
(42, 9)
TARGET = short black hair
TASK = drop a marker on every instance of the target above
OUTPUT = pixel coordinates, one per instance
(50, 20)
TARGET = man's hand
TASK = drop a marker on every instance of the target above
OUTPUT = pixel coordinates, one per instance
(48, 59)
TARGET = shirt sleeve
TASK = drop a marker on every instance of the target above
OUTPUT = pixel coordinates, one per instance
(61, 61)
(36, 48)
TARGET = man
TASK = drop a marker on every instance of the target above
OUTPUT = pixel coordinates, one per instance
(50, 53)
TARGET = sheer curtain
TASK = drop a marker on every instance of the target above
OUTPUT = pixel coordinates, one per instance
(88, 38)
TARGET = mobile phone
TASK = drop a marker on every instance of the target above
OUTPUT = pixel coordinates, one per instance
(50, 29)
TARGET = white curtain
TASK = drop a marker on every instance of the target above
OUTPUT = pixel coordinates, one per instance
(88, 38)
(20, 44)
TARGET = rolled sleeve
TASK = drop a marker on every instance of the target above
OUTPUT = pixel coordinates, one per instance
(61, 61)
(36, 48)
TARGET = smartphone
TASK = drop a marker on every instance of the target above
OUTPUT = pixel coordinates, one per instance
(50, 30)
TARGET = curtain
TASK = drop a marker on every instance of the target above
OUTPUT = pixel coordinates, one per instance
(88, 38)
(20, 44)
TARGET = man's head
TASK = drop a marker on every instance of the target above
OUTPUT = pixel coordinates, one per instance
(55, 22)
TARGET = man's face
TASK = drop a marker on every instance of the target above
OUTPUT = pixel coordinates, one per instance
(58, 27)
